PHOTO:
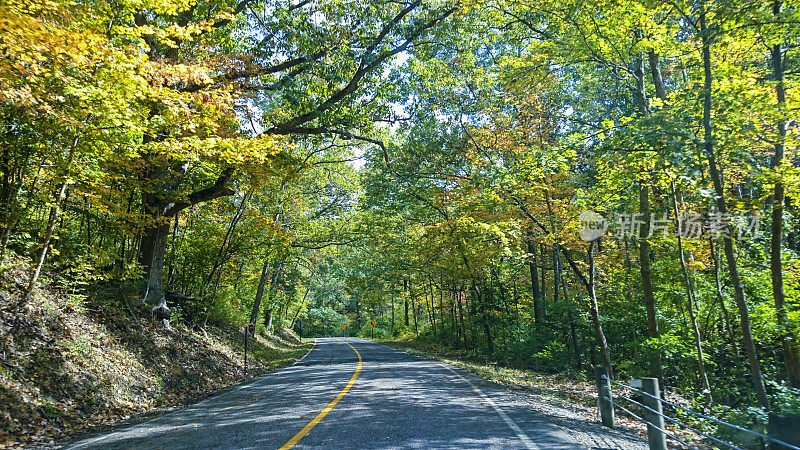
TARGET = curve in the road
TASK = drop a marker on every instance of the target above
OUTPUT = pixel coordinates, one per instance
(291, 443)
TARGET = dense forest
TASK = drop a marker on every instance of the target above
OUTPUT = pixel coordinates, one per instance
(552, 185)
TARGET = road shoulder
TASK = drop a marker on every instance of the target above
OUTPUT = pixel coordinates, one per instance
(577, 419)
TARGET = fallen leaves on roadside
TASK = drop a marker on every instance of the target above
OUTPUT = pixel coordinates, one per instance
(68, 368)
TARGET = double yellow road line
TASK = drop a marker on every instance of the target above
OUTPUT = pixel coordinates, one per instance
(328, 408)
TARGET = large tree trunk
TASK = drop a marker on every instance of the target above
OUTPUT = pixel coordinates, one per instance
(157, 241)
(722, 208)
(161, 211)
(639, 92)
(788, 341)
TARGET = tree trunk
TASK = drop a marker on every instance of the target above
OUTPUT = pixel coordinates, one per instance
(639, 92)
(647, 281)
(573, 334)
(160, 210)
(543, 303)
(655, 72)
(722, 207)
(277, 268)
(556, 268)
(262, 282)
(485, 316)
(690, 300)
(788, 341)
(53, 220)
(414, 312)
(721, 299)
(268, 320)
(442, 318)
(537, 300)
(154, 245)
(461, 316)
(598, 327)
(405, 298)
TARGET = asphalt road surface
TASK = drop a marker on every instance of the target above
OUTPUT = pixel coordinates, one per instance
(350, 393)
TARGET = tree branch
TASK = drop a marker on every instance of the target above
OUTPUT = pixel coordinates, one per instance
(290, 126)
(218, 189)
(563, 249)
(344, 135)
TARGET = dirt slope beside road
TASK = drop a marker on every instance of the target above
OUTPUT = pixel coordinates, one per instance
(71, 363)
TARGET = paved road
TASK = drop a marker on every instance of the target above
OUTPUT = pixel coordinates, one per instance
(396, 401)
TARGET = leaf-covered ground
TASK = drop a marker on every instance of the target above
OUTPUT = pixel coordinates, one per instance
(70, 364)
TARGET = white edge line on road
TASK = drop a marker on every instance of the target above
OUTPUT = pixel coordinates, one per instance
(307, 353)
(506, 418)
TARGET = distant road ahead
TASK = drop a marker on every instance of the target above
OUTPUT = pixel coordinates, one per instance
(350, 393)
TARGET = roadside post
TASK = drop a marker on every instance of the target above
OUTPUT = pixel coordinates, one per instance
(604, 397)
(246, 333)
(655, 420)
(300, 330)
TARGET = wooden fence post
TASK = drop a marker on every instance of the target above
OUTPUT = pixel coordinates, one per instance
(604, 396)
(655, 437)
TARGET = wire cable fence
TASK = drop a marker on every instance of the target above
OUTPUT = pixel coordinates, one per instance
(609, 395)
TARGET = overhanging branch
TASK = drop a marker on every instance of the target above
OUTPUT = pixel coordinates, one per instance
(345, 135)
(218, 189)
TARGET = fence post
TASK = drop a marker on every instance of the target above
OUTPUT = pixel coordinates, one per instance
(784, 427)
(655, 437)
(604, 396)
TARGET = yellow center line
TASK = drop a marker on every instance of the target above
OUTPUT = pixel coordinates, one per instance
(328, 408)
